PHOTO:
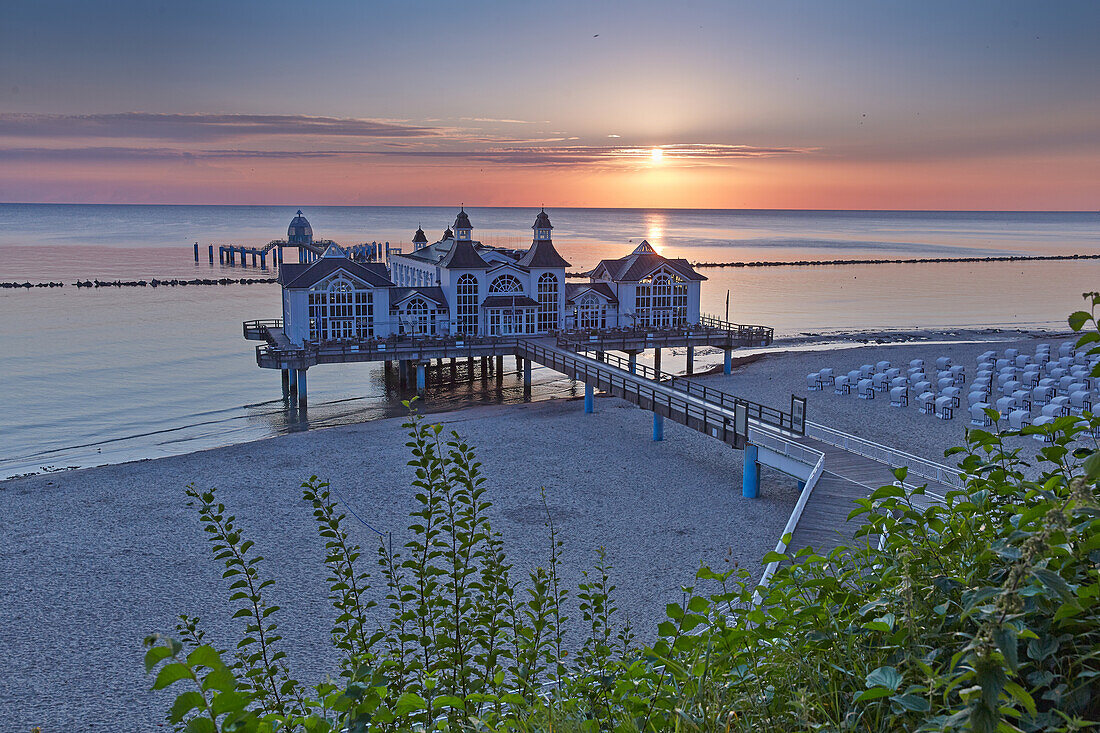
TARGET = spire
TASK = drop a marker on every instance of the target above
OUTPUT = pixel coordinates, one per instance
(645, 248)
(420, 237)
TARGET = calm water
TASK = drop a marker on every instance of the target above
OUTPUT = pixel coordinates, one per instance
(101, 376)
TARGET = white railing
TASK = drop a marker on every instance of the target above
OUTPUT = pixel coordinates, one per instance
(792, 523)
(884, 454)
(776, 442)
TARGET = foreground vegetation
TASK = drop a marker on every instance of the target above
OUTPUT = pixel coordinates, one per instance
(978, 612)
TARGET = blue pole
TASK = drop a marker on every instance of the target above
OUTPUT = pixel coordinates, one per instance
(727, 361)
(421, 378)
(658, 427)
(589, 399)
(632, 363)
(750, 479)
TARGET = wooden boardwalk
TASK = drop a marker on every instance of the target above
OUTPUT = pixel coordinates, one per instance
(848, 476)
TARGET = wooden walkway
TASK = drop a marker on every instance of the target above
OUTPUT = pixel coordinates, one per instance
(848, 476)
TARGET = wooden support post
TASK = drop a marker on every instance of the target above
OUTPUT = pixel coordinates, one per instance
(632, 361)
(293, 380)
(657, 361)
(387, 369)
(211, 254)
(263, 260)
(484, 368)
(526, 377)
(302, 388)
(500, 368)
(196, 251)
(750, 479)
(286, 381)
(454, 369)
(470, 367)
(691, 360)
(221, 254)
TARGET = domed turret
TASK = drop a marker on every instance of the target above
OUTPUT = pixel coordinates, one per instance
(299, 231)
(542, 227)
(420, 237)
(463, 227)
(448, 234)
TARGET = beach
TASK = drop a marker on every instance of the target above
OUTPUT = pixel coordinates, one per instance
(98, 558)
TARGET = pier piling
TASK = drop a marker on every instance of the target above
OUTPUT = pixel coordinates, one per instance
(691, 360)
(727, 361)
(421, 377)
(589, 400)
(750, 479)
(658, 427)
(657, 361)
(196, 251)
(301, 388)
(211, 251)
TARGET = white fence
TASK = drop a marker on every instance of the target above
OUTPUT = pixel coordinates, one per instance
(884, 454)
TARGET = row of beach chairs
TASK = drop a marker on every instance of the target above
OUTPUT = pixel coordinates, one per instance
(1028, 389)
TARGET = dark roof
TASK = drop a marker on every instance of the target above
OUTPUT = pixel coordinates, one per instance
(542, 221)
(420, 237)
(463, 256)
(462, 221)
(643, 261)
(542, 254)
(506, 301)
(576, 290)
(448, 234)
(434, 294)
(306, 275)
(299, 220)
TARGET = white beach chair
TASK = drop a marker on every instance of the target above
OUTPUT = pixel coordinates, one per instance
(1001, 363)
(1057, 407)
(899, 382)
(1023, 398)
(1006, 405)
(1066, 348)
(978, 416)
(866, 370)
(899, 397)
(881, 381)
(1011, 354)
(943, 362)
(919, 363)
(1018, 419)
(827, 375)
(892, 372)
(977, 398)
(854, 377)
(987, 355)
(1064, 384)
(922, 386)
(1010, 386)
(866, 389)
(944, 382)
(1029, 376)
(926, 403)
(813, 382)
(1042, 357)
(945, 408)
(1022, 361)
(842, 386)
(954, 393)
(1039, 422)
(1041, 395)
(1080, 401)
(959, 373)
(882, 366)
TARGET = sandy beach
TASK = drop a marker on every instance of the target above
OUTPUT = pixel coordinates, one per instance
(96, 559)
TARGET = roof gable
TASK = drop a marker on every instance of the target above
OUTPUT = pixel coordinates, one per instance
(543, 254)
(463, 256)
(371, 273)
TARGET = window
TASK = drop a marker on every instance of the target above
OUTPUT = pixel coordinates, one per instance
(466, 303)
(661, 301)
(506, 284)
(419, 318)
(547, 296)
(511, 321)
(591, 312)
(341, 311)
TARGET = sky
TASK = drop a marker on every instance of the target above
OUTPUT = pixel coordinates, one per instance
(768, 104)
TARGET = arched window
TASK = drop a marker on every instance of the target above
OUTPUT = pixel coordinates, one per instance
(661, 301)
(591, 312)
(466, 303)
(506, 284)
(419, 318)
(340, 311)
(548, 302)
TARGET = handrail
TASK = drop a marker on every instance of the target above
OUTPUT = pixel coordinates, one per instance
(884, 454)
(759, 412)
(789, 528)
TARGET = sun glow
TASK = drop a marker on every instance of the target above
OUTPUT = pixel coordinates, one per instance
(657, 155)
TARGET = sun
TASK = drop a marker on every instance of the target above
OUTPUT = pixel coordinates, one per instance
(657, 155)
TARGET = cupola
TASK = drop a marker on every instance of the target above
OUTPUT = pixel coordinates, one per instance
(420, 237)
(299, 231)
(463, 227)
(542, 227)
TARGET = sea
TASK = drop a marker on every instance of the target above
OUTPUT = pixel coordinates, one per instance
(93, 376)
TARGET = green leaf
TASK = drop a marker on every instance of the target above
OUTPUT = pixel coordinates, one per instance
(873, 694)
(185, 703)
(1006, 642)
(205, 656)
(200, 725)
(171, 673)
(1078, 320)
(914, 703)
(155, 655)
(887, 677)
(408, 703)
(1054, 582)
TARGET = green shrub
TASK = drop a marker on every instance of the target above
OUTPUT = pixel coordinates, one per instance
(978, 612)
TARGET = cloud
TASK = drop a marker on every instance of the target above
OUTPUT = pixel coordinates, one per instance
(562, 156)
(200, 127)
